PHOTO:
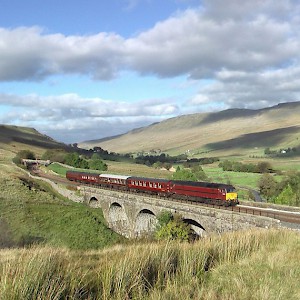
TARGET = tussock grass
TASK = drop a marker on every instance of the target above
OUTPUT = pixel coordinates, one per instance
(257, 264)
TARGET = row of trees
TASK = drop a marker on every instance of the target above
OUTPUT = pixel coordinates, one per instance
(284, 152)
(286, 192)
(163, 158)
(261, 167)
(167, 160)
(202, 161)
(69, 158)
(95, 162)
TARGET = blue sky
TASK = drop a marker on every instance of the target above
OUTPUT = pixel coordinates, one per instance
(87, 69)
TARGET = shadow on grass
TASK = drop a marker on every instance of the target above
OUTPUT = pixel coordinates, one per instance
(7, 239)
(259, 139)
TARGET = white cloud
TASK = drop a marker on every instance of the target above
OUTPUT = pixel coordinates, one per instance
(253, 90)
(70, 115)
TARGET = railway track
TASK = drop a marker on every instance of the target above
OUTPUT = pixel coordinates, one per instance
(281, 215)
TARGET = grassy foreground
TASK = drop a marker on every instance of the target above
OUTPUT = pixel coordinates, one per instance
(256, 264)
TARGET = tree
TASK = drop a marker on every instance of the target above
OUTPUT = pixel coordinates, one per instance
(290, 190)
(226, 165)
(287, 196)
(196, 173)
(57, 155)
(264, 167)
(172, 227)
(184, 174)
(23, 154)
(199, 173)
(267, 186)
(26, 154)
(164, 218)
(96, 163)
(73, 159)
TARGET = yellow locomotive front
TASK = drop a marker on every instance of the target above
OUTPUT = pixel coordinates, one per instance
(232, 197)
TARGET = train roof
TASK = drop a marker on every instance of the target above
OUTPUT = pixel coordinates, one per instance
(148, 179)
(204, 184)
(100, 175)
(123, 177)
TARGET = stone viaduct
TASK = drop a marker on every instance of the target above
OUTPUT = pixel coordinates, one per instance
(134, 215)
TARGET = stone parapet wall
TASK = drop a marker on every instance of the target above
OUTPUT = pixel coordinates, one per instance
(212, 220)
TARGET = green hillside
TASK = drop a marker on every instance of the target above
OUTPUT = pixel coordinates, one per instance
(31, 212)
(14, 138)
(233, 131)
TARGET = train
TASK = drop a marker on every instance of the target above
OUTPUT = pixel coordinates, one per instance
(204, 192)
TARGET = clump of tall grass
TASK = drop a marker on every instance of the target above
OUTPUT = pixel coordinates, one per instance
(212, 268)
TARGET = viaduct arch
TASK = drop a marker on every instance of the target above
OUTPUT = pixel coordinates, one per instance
(133, 215)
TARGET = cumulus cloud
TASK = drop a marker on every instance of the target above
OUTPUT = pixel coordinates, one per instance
(198, 43)
(28, 54)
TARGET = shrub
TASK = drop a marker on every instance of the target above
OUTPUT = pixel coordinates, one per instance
(172, 227)
(23, 154)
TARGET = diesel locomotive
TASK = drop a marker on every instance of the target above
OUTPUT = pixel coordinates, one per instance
(204, 192)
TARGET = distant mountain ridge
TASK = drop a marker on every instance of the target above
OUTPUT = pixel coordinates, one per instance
(218, 131)
(11, 135)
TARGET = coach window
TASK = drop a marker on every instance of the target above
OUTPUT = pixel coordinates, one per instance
(144, 184)
(150, 184)
(154, 185)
